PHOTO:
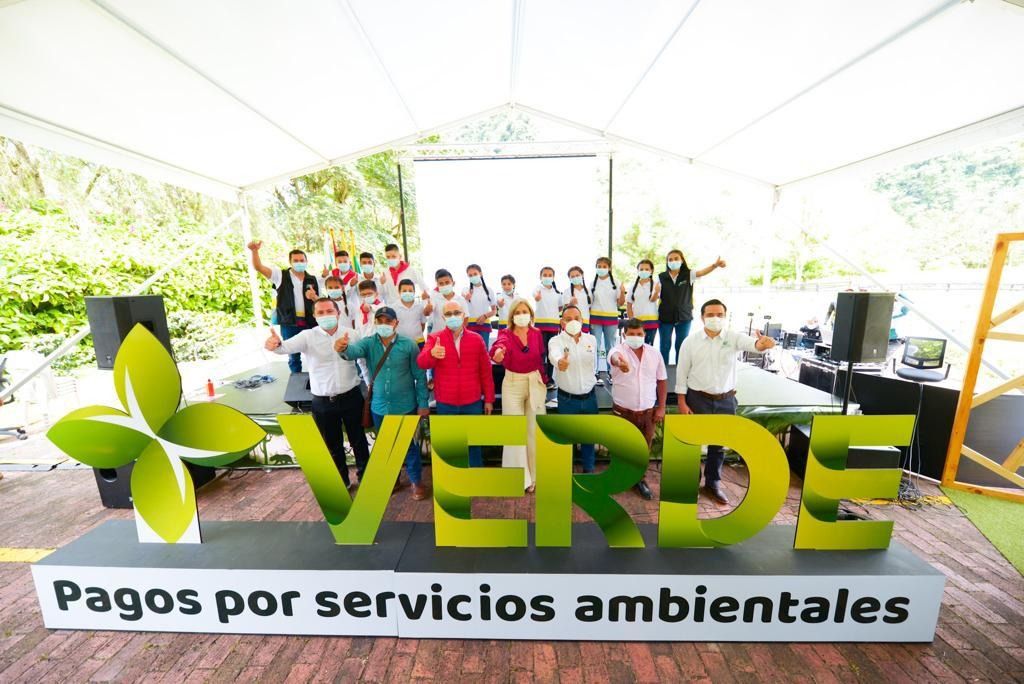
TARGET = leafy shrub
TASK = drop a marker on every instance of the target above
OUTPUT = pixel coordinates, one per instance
(80, 355)
(197, 336)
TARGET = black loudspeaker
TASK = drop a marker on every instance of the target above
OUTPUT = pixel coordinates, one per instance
(297, 394)
(857, 457)
(861, 333)
(115, 483)
(112, 318)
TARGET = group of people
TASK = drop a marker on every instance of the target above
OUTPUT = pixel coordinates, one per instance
(403, 339)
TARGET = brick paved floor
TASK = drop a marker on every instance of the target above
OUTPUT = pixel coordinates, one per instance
(980, 635)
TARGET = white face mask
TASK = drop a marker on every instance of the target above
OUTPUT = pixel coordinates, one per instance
(714, 324)
(634, 341)
(574, 327)
(521, 320)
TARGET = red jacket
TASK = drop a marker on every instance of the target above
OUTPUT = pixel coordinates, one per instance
(459, 379)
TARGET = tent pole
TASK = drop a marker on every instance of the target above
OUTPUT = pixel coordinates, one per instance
(401, 212)
(254, 288)
(610, 210)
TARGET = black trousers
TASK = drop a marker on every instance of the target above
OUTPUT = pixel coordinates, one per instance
(330, 414)
(716, 455)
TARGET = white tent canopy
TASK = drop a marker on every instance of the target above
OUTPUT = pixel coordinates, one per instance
(232, 95)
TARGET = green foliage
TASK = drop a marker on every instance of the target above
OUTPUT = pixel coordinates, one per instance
(956, 203)
(198, 336)
(52, 264)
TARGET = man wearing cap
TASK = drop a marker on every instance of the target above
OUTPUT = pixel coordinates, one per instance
(334, 383)
(397, 386)
(463, 384)
(706, 379)
(573, 355)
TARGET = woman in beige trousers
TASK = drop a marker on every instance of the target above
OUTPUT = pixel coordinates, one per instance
(520, 349)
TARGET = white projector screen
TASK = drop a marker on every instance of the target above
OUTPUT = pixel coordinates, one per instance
(511, 216)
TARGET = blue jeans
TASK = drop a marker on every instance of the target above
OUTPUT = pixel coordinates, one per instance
(486, 334)
(701, 404)
(570, 406)
(606, 335)
(413, 463)
(476, 454)
(682, 330)
(294, 360)
(649, 336)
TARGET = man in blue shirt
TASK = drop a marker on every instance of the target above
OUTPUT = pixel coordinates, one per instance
(399, 388)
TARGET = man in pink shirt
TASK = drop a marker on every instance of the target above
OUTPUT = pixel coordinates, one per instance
(463, 384)
(639, 386)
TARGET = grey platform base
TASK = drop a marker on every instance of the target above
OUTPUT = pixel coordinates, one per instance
(290, 578)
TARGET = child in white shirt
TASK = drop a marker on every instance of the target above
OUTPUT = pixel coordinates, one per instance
(642, 300)
(482, 304)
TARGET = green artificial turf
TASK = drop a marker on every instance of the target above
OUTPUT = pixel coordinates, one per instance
(1001, 521)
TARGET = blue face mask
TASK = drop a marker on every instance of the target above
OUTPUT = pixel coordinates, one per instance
(335, 294)
(366, 268)
(393, 263)
(327, 322)
(299, 266)
(475, 280)
(446, 289)
(453, 322)
(643, 274)
(384, 330)
(546, 282)
(601, 271)
(576, 280)
(674, 265)
(344, 266)
(408, 296)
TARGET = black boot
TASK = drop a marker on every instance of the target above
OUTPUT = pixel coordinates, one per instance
(643, 490)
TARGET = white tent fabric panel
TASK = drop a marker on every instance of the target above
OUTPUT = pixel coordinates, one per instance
(78, 68)
(579, 59)
(448, 58)
(274, 58)
(236, 93)
(963, 66)
(733, 61)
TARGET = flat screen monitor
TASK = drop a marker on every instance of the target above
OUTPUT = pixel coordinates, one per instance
(924, 352)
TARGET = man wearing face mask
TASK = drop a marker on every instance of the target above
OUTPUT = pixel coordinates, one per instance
(706, 379)
(397, 384)
(572, 354)
(368, 274)
(639, 386)
(398, 270)
(333, 382)
(463, 384)
(342, 269)
(296, 292)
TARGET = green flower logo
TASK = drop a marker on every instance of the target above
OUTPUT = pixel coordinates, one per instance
(152, 432)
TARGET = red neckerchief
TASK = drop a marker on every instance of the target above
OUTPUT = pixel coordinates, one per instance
(347, 278)
(395, 272)
(366, 314)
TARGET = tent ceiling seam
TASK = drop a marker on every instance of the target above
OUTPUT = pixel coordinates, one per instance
(888, 40)
(650, 67)
(640, 145)
(351, 12)
(39, 122)
(518, 8)
(166, 49)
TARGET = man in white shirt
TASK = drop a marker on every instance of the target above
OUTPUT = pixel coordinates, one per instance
(706, 379)
(639, 385)
(572, 354)
(334, 383)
